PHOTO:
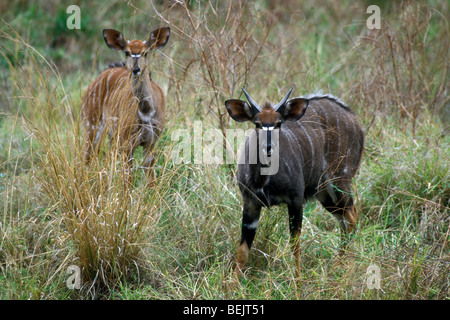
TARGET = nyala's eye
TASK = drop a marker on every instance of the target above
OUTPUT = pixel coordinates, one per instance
(127, 53)
(258, 125)
(277, 125)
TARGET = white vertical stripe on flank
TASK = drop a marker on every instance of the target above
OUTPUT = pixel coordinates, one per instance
(312, 151)
(346, 152)
(317, 123)
(320, 124)
(99, 95)
(91, 96)
(326, 130)
(92, 102)
(287, 166)
(290, 146)
(353, 135)
(291, 134)
(339, 137)
(107, 84)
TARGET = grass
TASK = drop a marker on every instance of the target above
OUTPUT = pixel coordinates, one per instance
(178, 240)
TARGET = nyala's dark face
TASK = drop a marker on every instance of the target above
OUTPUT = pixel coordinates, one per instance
(268, 119)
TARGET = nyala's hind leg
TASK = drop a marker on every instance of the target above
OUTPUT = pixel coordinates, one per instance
(295, 227)
(340, 204)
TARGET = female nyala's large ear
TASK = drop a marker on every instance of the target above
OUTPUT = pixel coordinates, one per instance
(114, 39)
(158, 38)
(239, 110)
(294, 109)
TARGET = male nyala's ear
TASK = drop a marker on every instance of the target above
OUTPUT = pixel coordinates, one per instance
(239, 110)
(294, 109)
(114, 39)
(158, 38)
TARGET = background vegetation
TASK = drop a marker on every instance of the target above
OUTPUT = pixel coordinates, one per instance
(178, 240)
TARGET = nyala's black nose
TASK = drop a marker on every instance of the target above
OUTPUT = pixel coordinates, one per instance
(269, 143)
(269, 150)
(136, 70)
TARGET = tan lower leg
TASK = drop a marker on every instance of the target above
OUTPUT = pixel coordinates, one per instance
(350, 219)
(149, 164)
(242, 257)
(295, 243)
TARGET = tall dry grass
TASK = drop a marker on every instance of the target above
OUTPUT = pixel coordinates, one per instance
(218, 47)
(403, 70)
(105, 220)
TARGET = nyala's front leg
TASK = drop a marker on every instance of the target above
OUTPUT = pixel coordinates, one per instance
(250, 219)
(148, 164)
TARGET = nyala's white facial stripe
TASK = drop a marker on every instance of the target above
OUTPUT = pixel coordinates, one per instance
(268, 128)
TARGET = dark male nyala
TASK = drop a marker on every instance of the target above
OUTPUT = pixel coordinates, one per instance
(317, 143)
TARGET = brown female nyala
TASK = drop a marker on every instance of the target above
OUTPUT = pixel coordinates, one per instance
(124, 101)
(319, 147)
